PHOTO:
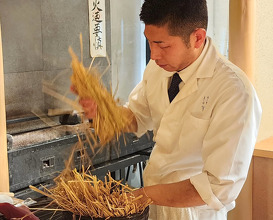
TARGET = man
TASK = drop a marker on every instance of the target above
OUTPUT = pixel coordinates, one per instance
(205, 135)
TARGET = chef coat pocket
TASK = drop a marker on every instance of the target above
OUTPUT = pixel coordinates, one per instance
(193, 131)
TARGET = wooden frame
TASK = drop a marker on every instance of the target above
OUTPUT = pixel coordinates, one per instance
(4, 171)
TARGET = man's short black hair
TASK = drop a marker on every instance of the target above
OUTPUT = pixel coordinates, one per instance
(182, 16)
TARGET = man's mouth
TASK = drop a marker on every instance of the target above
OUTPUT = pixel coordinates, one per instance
(162, 65)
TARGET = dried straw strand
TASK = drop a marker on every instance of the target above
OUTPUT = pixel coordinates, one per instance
(85, 195)
(110, 122)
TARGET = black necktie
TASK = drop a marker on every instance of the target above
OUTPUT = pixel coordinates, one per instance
(174, 87)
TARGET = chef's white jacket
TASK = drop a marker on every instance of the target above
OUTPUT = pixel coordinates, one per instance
(206, 134)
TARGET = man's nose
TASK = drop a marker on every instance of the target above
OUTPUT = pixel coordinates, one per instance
(155, 53)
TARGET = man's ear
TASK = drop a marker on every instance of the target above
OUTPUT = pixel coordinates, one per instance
(199, 36)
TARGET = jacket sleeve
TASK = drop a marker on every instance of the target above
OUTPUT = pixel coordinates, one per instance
(139, 106)
(228, 147)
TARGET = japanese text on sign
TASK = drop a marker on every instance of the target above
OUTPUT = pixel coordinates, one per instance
(97, 28)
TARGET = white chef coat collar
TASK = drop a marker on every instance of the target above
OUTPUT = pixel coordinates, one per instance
(196, 67)
(186, 73)
(204, 70)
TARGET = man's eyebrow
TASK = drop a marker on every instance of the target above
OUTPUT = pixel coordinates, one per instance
(157, 42)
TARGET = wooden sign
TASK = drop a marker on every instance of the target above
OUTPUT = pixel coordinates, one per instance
(97, 28)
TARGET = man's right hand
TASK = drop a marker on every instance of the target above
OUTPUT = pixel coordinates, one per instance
(89, 106)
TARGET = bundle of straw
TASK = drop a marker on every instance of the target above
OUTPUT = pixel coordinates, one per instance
(82, 193)
(85, 195)
(110, 122)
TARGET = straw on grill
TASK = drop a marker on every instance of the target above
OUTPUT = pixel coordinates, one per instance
(85, 195)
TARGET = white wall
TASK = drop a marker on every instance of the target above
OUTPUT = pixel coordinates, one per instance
(218, 24)
(263, 74)
(127, 46)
